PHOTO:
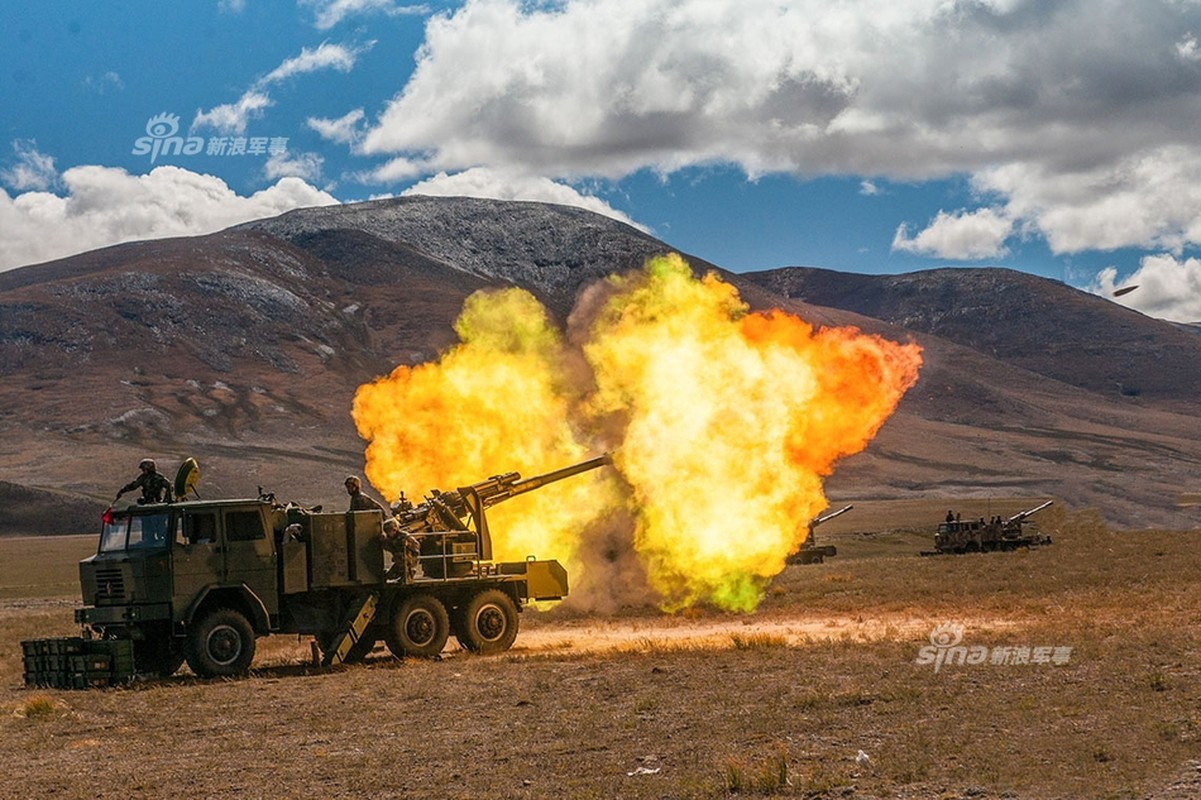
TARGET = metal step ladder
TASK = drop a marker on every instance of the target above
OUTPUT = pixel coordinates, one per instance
(353, 631)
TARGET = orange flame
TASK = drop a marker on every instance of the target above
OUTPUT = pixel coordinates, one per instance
(725, 423)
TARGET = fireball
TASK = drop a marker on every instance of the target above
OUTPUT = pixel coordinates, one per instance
(724, 424)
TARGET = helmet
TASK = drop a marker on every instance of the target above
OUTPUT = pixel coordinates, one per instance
(352, 480)
(146, 463)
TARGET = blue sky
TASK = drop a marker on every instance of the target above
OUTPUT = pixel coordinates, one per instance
(1062, 139)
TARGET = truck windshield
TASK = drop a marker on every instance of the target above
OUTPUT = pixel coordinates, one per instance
(135, 532)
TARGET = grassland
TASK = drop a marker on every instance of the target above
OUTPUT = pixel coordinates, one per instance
(818, 694)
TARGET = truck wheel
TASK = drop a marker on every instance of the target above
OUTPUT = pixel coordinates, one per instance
(488, 623)
(419, 627)
(221, 644)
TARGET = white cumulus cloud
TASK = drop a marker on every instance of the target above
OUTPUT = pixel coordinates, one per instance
(306, 166)
(31, 170)
(1086, 136)
(105, 205)
(1149, 199)
(1167, 287)
(505, 185)
(962, 236)
(343, 130)
(233, 117)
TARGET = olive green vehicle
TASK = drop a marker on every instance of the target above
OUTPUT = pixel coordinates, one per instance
(200, 581)
(978, 536)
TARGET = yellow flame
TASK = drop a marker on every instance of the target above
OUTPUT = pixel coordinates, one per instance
(725, 423)
(497, 402)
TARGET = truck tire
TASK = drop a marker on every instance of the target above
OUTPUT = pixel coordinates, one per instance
(487, 623)
(220, 644)
(419, 627)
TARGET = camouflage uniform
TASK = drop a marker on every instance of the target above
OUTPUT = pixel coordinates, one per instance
(155, 488)
(358, 500)
(404, 548)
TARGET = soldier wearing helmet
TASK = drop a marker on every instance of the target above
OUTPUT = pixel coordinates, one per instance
(405, 550)
(155, 488)
(358, 500)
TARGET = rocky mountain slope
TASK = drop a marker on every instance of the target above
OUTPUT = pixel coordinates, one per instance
(1024, 320)
(244, 349)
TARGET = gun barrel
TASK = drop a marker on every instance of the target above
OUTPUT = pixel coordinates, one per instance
(828, 517)
(1021, 515)
(522, 485)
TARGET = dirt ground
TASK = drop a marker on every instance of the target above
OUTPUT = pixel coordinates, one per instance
(822, 693)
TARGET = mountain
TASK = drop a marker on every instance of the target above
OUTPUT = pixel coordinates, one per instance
(1030, 322)
(244, 348)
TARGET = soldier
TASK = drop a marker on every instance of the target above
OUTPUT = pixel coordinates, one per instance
(358, 500)
(404, 548)
(155, 488)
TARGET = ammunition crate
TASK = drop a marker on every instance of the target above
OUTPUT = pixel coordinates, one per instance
(77, 663)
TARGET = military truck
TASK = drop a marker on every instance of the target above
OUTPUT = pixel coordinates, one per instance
(978, 536)
(810, 551)
(200, 580)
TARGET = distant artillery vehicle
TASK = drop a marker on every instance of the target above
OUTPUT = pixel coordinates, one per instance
(978, 536)
(202, 580)
(811, 552)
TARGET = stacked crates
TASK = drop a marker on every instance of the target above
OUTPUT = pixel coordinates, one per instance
(77, 663)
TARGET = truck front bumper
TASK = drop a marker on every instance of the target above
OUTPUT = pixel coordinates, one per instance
(117, 615)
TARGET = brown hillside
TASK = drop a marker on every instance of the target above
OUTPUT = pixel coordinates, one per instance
(244, 349)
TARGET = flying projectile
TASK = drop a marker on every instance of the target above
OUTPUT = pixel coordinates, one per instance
(1125, 290)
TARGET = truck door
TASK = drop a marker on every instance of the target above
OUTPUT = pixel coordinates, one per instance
(196, 555)
(250, 554)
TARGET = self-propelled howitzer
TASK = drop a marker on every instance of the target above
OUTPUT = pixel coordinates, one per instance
(202, 580)
(810, 551)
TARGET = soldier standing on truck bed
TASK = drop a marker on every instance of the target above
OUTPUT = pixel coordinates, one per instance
(358, 500)
(155, 488)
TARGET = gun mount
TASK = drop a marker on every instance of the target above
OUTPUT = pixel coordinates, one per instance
(811, 552)
(461, 508)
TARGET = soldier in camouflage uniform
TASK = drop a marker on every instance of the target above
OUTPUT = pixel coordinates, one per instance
(155, 488)
(405, 550)
(358, 500)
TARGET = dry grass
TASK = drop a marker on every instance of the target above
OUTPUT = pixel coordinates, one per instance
(735, 710)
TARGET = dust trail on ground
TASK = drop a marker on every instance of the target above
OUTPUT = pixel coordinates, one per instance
(673, 632)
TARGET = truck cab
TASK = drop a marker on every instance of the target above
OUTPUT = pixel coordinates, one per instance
(160, 567)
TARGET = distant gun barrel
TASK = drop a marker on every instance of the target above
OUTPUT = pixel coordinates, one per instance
(1021, 515)
(827, 517)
